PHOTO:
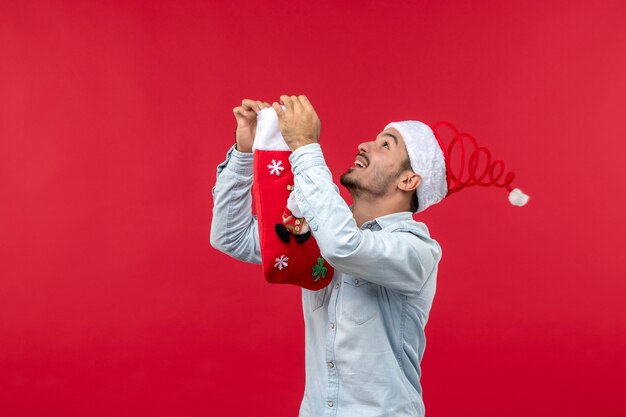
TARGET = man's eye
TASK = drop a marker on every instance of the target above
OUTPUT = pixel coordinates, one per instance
(386, 145)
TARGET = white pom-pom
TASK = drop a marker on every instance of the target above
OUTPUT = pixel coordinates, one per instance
(518, 198)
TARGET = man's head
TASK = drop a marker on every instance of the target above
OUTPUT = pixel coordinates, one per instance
(382, 169)
(409, 160)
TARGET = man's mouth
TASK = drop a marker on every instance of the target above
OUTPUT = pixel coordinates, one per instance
(361, 161)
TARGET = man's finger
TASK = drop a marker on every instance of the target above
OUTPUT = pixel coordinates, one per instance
(279, 110)
(305, 102)
(249, 104)
(297, 106)
(286, 100)
(259, 104)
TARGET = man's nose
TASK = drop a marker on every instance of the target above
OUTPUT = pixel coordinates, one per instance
(363, 147)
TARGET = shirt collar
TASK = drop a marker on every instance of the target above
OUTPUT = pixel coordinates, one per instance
(389, 219)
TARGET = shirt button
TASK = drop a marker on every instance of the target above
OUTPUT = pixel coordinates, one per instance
(330, 403)
(332, 325)
(336, 286)
(356, 281)
(331, 365)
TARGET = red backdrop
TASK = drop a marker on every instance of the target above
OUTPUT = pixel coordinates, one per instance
(114, 115)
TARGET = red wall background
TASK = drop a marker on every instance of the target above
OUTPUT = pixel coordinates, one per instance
(114, 115)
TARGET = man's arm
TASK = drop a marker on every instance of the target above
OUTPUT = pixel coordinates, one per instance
(402, 260)
(398, 260)
(234, 230)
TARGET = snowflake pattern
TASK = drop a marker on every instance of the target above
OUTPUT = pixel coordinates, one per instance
(281, 262)
(276, 167)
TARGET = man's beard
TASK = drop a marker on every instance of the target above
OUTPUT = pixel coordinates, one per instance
(379, 187)
(351, 184)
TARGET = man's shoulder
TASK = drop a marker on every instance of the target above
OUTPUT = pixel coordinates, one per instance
(417, 229)
(403, 222)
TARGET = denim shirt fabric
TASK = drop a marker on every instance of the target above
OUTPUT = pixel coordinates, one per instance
(364, 333)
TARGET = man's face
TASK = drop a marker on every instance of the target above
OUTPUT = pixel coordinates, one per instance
(377, 165)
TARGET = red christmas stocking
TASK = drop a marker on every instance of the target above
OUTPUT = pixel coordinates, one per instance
(289, 253)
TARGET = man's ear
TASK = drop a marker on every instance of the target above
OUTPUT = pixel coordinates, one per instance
(409, 181)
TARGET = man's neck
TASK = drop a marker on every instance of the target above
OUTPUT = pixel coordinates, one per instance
(364, 211)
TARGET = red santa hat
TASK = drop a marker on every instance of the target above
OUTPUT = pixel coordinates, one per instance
(442, 171)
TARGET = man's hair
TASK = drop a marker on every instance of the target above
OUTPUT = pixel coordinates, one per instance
(414, 201)
(415, 204)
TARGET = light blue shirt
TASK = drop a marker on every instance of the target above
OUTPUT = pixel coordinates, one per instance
(364, 333)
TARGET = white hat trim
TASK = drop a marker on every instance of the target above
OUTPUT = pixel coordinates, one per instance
(427, 160)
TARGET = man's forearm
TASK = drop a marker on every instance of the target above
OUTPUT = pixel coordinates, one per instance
(234, 230)
(406, 253)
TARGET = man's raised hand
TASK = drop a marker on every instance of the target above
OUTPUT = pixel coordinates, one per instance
(246, 123)
(298, 123)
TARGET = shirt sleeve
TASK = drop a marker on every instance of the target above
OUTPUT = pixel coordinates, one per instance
(399, 259)
(234, 230)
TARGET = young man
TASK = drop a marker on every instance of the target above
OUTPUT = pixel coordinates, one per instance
(365, 331)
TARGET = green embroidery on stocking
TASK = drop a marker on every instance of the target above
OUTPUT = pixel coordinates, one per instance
(319, 270)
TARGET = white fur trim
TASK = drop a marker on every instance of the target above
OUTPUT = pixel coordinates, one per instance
(267, 136)
(518, 198)
(427, 161)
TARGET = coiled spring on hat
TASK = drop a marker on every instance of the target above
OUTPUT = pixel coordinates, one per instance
(468, 174)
